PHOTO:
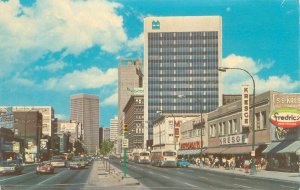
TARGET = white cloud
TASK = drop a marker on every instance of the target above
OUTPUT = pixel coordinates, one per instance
(19, 80)
(228, 9)
(233, 79)
(86, 79)
(136, 44)
(112, 100)
(60, 117)
(55, 25)
(53, 67)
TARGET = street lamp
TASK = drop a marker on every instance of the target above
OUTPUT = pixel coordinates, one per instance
(223, 69)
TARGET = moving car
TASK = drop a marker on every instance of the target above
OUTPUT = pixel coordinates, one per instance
(45, 167)
(77, 163)
(182, 163)
(58, 161)
(11, 167)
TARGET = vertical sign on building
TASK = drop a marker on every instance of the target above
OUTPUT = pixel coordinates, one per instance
(245, 106)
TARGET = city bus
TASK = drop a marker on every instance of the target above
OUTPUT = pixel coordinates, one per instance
(164, 158)
(141, 157)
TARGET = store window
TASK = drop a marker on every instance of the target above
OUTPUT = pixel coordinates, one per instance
(257, 121)
(264, 120)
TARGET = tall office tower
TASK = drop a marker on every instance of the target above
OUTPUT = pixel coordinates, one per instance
(106, 134)
(85, 109)
(114, 128)
(181, 58)
(129, 77)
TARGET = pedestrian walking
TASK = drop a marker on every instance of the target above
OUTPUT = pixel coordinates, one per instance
(246, 165)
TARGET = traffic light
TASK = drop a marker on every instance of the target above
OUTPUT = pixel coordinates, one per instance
(125, 128)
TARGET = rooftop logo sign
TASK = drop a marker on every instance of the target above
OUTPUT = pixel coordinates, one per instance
(155, 25)
(285, 117)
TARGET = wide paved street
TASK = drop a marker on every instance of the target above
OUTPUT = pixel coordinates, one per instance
(62, 179)
(194, 178)
(150, 178)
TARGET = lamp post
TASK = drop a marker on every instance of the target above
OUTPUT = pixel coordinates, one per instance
(223, 69)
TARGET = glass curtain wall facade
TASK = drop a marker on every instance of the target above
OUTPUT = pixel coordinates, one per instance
(182, 63)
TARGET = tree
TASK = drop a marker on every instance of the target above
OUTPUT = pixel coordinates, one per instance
(79, 149)
(106, 147)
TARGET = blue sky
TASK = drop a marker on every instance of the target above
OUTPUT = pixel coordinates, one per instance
(51, 49)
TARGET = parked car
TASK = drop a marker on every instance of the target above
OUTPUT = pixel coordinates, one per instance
(11, 167)
(182, 163)
(45, 167)
(77, 163)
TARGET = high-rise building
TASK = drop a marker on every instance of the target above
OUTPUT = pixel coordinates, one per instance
(129, 77)
(134, 118)
(113, 128)
(106, 134)
(100, 137)
(46, 111)
(181, 58)
(85, 109)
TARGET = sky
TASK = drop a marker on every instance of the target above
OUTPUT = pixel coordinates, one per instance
(51, 49)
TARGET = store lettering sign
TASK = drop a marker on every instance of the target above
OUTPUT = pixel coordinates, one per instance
(285, 117)
(190, 145)
(245, 105)
(232, 139)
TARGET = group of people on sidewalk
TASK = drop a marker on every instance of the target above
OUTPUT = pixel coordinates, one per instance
(232, 163)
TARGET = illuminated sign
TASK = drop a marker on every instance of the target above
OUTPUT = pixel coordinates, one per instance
(285, 117)
(245, 105)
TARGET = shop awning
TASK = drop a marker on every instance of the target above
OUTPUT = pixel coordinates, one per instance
(238, 150)
(216, 150)
(270, 147)
(291, 148)
(286, 146)
(190, 152)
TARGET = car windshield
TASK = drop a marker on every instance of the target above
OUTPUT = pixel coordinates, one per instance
(9, 163)
(144, 154)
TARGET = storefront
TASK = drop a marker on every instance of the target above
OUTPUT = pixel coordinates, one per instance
(193, 139)
(283, 151)
(230, 139)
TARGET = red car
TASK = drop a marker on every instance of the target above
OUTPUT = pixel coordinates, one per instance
(45, 167)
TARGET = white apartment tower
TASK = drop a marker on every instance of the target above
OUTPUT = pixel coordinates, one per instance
(181, 57)
(85, 109)
(114, 129)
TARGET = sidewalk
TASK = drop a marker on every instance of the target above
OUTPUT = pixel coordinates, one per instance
(273, 175)
(101, 176)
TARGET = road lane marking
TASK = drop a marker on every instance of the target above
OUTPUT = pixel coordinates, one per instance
(165, 176)
(210, 174)
(151, 172)
(181, 173)
(190, 185)
(287, 187)
(242, 186)
(52, 177)
(202, 177)
(17, 176)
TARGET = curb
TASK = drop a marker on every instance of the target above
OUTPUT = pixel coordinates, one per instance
(117, 173)
(249, 175)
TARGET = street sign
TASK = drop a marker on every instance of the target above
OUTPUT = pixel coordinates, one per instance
(125, 143)
(253, 153)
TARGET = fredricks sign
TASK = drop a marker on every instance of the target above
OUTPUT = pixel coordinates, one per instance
(285, 117)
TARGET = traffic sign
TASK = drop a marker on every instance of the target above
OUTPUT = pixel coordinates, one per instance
(125, 143)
